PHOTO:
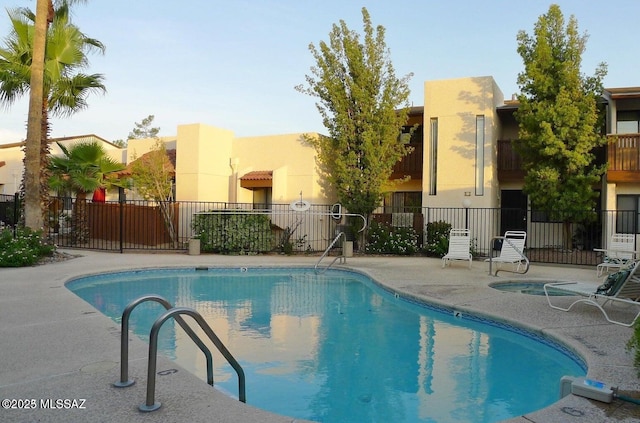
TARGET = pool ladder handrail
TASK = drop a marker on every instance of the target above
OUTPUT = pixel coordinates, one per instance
(521, 253)
(175, 312)
(342, 257)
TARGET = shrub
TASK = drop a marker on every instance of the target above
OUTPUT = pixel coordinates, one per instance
(385, 239)
(233, 233)
(24, 250)
(633, 345)
(437, 238)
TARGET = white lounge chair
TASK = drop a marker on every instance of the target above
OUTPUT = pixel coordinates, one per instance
(512, 250)
(620, 251)
(459, 247)
(622, 287)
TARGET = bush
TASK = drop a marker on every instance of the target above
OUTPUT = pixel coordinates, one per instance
(634, 346)
(382, 239)
(437, 238)
(23, 250)
(233, 233)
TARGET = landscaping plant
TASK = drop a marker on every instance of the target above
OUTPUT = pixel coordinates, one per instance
(384, 239)
(25, 249)
(633, 345)
(437, 238)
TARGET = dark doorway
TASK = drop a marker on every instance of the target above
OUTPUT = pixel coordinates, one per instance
(513, 213)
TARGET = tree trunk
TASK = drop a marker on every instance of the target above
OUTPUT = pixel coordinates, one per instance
(43, 177)
(568, 238)
(80, 224)
(32, 205)
(168, 211)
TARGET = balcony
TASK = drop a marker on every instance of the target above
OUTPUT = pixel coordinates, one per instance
(623, 158)
(510, 164)
(410, 165)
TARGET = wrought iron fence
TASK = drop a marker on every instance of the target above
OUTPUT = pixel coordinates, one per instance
(9, 210)
(141, 225)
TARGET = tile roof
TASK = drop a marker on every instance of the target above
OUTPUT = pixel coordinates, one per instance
(258, 175)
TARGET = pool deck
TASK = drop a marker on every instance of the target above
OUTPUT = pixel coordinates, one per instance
(53, 345)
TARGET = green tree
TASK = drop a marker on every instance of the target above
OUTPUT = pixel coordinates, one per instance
(358, 98)
(141, 130)
(152, 176)
(559, 120)
(62, 91)
(83, 168)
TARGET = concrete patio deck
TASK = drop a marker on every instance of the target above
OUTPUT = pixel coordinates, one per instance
(53, 345)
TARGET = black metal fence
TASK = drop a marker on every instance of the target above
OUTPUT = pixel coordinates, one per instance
(9, 210)
(234, 228)
(142, 225)
(547, 241)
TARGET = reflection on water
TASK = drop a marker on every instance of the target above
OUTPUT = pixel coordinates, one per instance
(334, 348)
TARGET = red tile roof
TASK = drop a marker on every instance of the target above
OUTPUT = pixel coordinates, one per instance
(258, 175)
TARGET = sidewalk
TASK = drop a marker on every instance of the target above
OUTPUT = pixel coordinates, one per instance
(53, 345)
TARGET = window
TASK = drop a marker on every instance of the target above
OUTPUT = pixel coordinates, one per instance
(403, 202)
(433, 156)
(627, 214)
(480, 155)
(628, 122)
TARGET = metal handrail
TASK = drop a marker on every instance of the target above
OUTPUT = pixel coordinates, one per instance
(521, 253)
(150, 403)
(342, 257)
(124, 340)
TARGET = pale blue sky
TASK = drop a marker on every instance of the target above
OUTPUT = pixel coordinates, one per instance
(234, 64)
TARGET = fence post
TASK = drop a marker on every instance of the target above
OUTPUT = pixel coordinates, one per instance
(16, 207)
(121, 201)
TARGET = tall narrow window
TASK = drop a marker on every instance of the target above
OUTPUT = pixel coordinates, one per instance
(433, 156)
(480, 155)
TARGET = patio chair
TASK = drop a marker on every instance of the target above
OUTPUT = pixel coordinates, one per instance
(459, 247)
(621, 250)
(622, 287)
(512, 249)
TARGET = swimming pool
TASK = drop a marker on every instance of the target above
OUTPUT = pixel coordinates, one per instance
(339, 348)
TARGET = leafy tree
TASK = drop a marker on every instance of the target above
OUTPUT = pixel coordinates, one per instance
(83, 168)
(559, 120)
(64, 87)
(358, 98)
(141, 129)
(152, 176)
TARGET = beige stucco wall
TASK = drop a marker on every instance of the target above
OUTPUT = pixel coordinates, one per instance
(138, 147)
(202, 163)
(291, 160)
(456, 103)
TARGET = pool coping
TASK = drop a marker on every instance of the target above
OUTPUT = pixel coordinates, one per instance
(82, 346)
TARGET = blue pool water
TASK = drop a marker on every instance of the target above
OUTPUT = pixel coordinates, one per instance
(338, 348)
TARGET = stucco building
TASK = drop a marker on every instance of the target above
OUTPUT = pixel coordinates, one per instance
(462, 157)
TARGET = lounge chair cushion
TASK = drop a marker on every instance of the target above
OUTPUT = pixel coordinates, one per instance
(613, 282)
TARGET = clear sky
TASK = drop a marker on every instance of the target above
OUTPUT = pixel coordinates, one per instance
(234, 64)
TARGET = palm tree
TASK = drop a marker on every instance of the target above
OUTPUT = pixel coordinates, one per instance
(64, 88)
(82, 169)
(31, 180)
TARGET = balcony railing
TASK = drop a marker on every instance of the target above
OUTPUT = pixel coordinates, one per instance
(623, 156)
(510, 164)
(410, 165)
